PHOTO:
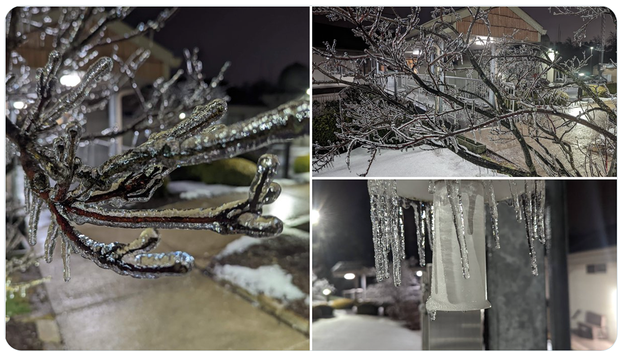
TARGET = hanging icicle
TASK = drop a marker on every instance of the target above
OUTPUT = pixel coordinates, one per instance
(529, 203)
(490, 197)
(454, 196)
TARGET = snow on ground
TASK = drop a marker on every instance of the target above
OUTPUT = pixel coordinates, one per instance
(190, 190)
(268, 280)
(239, 245)
(359, 332)
(418, 162)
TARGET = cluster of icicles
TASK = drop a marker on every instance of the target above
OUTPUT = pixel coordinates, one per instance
(387, 221)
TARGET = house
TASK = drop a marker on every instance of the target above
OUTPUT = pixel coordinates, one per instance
(160, 63)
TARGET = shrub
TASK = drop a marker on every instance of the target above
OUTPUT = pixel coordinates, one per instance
(302, 164)
(342, 304)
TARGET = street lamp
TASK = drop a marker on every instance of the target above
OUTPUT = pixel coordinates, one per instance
(591, 60)
(314, 216)
(326, 292)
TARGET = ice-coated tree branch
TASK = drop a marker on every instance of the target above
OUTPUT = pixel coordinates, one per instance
(432, 85)
(47, 133)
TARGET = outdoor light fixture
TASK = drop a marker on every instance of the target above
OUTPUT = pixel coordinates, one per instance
(182, 115)
(314, 216)
(70, 79)
(482, 40)
(581, 74)
(18, 105)
(451, 213)
(309, 91)
(326, 292)
(419, 273)
(349, 276)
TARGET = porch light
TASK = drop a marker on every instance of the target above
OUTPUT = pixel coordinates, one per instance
(70, 79)
(349, 276)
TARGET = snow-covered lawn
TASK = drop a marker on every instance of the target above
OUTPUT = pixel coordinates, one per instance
(268, 280)
(358, 332)
(418, 162)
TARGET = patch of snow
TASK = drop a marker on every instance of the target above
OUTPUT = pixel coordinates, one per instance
(268, 280)
(190, 190)
(419, 162)
(239, 245)
(359, 332)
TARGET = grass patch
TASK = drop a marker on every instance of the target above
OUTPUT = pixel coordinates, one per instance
(17, 305)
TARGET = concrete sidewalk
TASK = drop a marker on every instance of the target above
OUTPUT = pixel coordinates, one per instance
(99, 309)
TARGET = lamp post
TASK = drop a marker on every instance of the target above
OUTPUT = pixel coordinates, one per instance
(591, 61)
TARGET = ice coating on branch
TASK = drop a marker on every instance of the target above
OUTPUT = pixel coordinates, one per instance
(33, 224)
(65, 255)
(50, 242)
(237, 217)
(74, 97)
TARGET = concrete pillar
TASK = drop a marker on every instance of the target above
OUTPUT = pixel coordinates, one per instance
(559, 302)
(517, 319)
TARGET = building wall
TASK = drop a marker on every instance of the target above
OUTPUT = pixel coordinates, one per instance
(503, 21)
(594, 292)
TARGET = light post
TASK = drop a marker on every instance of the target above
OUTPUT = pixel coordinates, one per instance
(591, 61)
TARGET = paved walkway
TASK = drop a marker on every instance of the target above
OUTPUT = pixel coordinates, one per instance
(99, 309)
(359, 332)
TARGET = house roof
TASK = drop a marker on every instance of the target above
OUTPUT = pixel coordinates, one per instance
(464, 13)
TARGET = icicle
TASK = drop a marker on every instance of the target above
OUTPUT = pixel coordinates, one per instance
(540, 208)
(529, 202)
(523, 200)
(65, 254)
(398, 245)
(491, 198)
(431, 187)
(50, 242)
(34, 221)
(374, 198)
(431, 225)
(513, 187)
(453, 189)
(420, 239)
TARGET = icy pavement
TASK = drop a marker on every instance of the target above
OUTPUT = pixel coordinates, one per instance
(359, 332)
(419, 162)
(98, 309)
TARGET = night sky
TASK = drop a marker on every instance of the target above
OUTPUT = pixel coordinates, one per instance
(322, 27)
(344, 229)
(259, 42)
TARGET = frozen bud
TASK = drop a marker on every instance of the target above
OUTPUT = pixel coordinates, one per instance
(74, 130)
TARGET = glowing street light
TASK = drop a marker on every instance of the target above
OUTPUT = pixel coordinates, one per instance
(326, 292)
(349, 276)
(309, 91)
(314, 216)
(182, 115)
(19, 105)
(419, 273)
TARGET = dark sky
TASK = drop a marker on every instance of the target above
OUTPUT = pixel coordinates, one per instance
(344, 229)
(542, 15)
(259, 42)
